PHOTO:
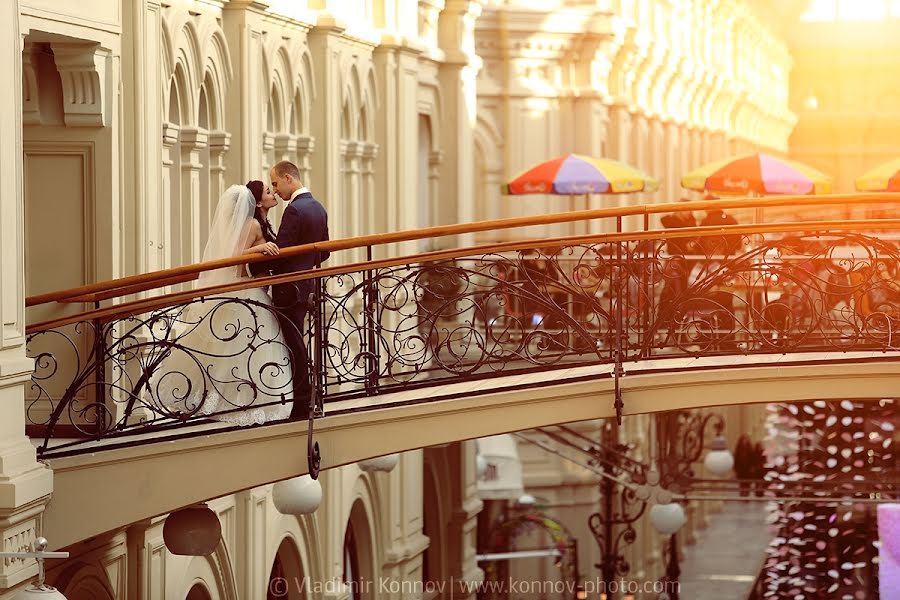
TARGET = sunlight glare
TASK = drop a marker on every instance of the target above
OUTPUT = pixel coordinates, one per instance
(824, 11)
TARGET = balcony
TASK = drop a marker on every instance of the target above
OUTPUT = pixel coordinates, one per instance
(430, 348)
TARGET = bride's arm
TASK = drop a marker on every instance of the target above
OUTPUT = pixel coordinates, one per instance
(257, 243)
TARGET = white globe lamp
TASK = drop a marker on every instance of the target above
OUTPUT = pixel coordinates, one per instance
(719, 460)
(384, 463)
(667, 518)
(297, 496)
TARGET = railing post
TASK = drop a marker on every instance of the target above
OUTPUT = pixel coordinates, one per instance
(316, 396)
(371, 346)
(622, 296)
(647, 295)
(99, 375)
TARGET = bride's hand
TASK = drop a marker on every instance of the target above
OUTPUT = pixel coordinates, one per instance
(270, 249)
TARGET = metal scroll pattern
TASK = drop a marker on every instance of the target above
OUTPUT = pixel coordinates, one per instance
(449, 320)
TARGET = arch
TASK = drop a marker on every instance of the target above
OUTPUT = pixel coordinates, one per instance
(82, 581)
(487, 135)
(287, 566)
(274, 108)
(370, 100)
(213, 573)
(305, 86)
(302, 533)
(198, 591)
(217, 71)
(179, 93)
(351, 99)
(360, 556)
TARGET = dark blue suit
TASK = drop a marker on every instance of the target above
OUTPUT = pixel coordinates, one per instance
(305, 221)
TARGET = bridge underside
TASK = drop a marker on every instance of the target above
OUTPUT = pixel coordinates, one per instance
(208, 460)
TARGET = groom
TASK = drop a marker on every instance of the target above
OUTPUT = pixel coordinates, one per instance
(304, 222)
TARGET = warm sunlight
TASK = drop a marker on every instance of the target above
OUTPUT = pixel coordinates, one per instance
(850, 10)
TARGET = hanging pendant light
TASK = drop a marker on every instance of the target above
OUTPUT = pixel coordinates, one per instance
(192, 531)
(384, 463)
(297, 496)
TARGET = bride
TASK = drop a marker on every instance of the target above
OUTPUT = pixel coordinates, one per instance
(225, 355)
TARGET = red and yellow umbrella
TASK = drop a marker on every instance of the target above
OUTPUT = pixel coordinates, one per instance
(578, 174)
(883, 178)
(757, 173)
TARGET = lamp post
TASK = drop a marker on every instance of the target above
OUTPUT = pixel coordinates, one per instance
(680, 438)
(620, 507)
(39, 553)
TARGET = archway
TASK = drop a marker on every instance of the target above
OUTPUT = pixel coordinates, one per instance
(358, 556)
(286, 578)
(198, 592)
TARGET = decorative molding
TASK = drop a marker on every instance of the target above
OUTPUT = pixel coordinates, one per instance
(83, 72)
(19, 527)
(31, 109)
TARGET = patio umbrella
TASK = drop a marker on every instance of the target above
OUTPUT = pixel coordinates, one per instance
(883, 178)
(757, 173)
(577, 174)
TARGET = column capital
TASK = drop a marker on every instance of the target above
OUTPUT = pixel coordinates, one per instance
(305, 144)
(194, 138)
(170, 134)
(219, 141)
(285, 143)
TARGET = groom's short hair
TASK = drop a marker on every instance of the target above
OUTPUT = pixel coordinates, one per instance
(286, 167)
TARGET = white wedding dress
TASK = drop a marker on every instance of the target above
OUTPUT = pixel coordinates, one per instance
(225, 358)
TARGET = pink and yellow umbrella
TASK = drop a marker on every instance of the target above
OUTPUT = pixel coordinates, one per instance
(577, 174)
(757, 174)
(883, 178)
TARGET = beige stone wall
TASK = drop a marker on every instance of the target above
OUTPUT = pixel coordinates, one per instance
(132, 116)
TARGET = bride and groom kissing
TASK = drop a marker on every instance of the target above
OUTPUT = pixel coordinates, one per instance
(240, 356)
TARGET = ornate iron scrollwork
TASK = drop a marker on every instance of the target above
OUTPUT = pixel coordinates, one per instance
(388, 328)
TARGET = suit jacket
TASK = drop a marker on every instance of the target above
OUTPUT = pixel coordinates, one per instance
(305, 221)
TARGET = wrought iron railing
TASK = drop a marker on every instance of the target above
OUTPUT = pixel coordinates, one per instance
(393, 324)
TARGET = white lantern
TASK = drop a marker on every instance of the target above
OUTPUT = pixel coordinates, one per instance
(192, 531)
(719, 461)
(667, 518)
(297, 496)
(381, 463)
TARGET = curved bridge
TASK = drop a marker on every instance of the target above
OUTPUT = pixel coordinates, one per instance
(432, 348)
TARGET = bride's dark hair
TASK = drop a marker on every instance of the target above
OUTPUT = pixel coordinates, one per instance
(257, 188)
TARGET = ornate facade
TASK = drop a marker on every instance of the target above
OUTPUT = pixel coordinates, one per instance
(130, 117)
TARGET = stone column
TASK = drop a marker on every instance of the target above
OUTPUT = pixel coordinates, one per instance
(305, 146)
(620, 143)
(457, 81)
(25, 484)
(170, 239)
(142, 110)
(397, 134)
(193, 140)
(462, 539)
(219, 143)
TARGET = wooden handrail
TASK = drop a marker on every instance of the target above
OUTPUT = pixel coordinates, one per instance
(148, 304)
(119, 287)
